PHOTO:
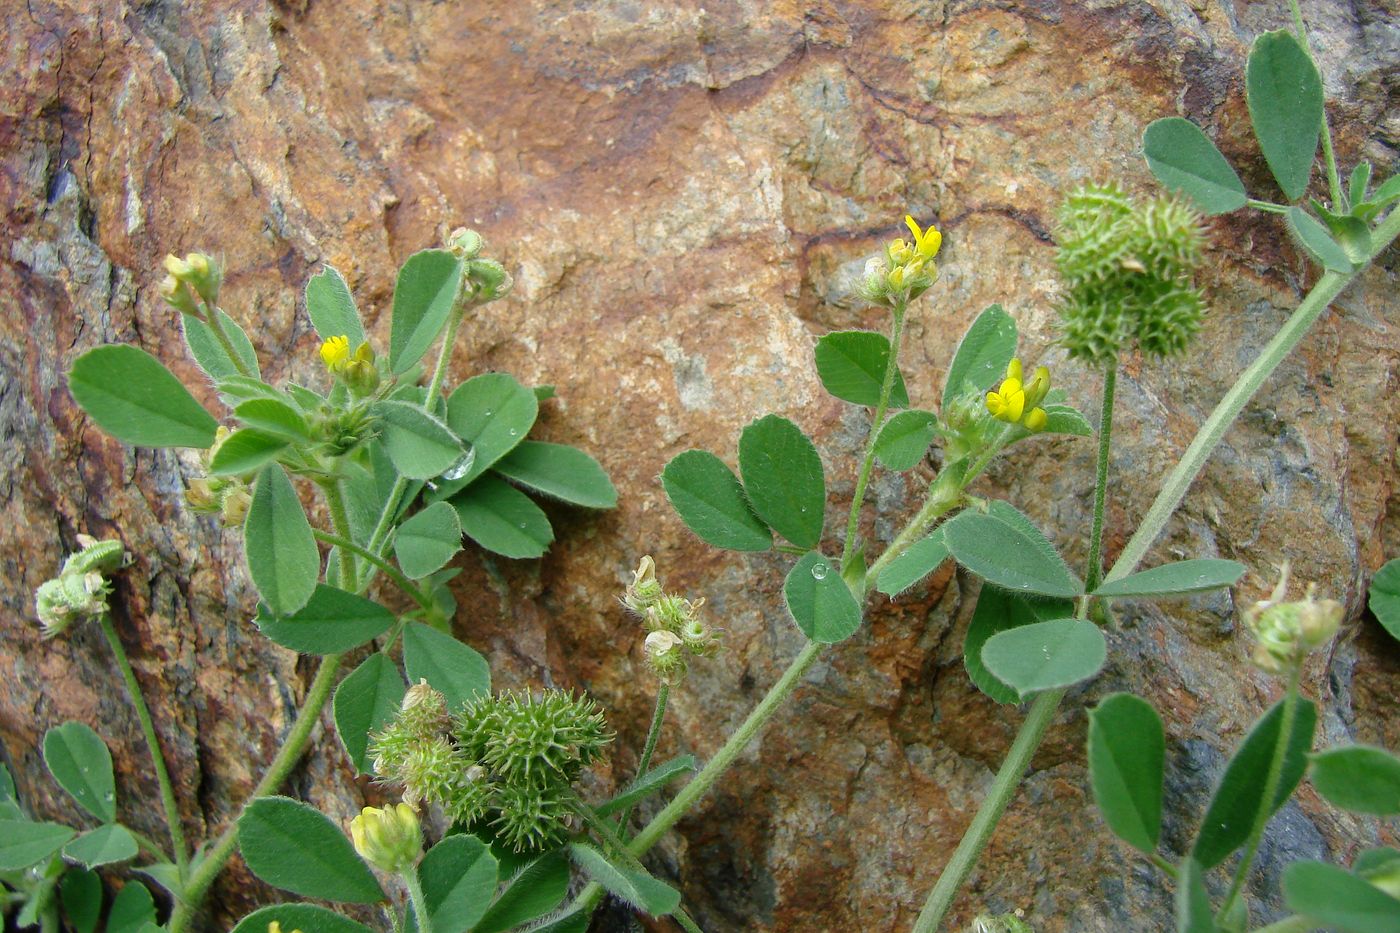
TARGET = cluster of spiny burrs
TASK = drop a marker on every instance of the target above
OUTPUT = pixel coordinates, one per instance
(507, 762)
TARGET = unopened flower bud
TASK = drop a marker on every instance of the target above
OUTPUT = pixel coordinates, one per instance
(1285, 631)
(466, 243)
(491, 279)
(391, 839)
(699, 638)
(360, 373)
(200, 496)
(175, 293)
(177, 267)
(873, 287)
(644, 590)
(234, 507)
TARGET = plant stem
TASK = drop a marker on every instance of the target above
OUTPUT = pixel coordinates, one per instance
(287, 757)
(1168, 498)
(150, 846)
(340, 520)
(618, 845)
(658, 716)
(943, 496)
(1094, 573)
(148, 729)
(940, 899)
(346, 546)
(1167, 868)
(715, 767)
(391, 503)
(221, 335)
(416, 898)
(1249, 382)
(1271, 786)
(1268, 206)
(876, 423)
(1294, 924)
(687, 924)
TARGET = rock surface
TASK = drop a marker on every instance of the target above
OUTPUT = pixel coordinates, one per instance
(686, 192)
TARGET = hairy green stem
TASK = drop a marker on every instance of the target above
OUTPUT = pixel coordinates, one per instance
(1167, 868)
(1250, 381)
(944, 494)
(1168, 498)
(150, 846)
(148, 729)
(876, 423)
(391, 503)
(940, 899)
(1268, 206)
(1094, 572)
(416, 898)
(340, 520)
(346, 546)
(1294, 924)
(716, 766)
(287, 757)
(658, 717)
(221, 335)
(1272, 780)
(687, 924)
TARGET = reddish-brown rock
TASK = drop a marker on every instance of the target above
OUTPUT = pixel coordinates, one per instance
(686, 192)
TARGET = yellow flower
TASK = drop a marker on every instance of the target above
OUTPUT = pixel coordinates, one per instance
(335, 352)
(926, 242)
(390, 839)
(1016, 402)
(1008, 402)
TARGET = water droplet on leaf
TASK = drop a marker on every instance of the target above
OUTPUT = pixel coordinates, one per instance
(819, 571)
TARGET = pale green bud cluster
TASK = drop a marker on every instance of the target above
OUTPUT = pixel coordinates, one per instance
(675, 630)
(225, 496)
(1127, 269)
(507, 762)
(1005, 923)
(80, 590)
(486, 279)
(191, 280)
(390, 839)
(1287, 631)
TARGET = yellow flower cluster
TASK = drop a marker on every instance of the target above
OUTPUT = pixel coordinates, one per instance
(357, 368)
(906, 270)
(1018, 402)
(912, 263)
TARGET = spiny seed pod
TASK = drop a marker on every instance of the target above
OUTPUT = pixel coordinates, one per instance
(423, 712)
(1127, 271)
(471, 799)
(432, 771)
(537, 738)
(531, 818)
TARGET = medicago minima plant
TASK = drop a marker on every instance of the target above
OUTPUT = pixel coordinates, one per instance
(403, 471)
